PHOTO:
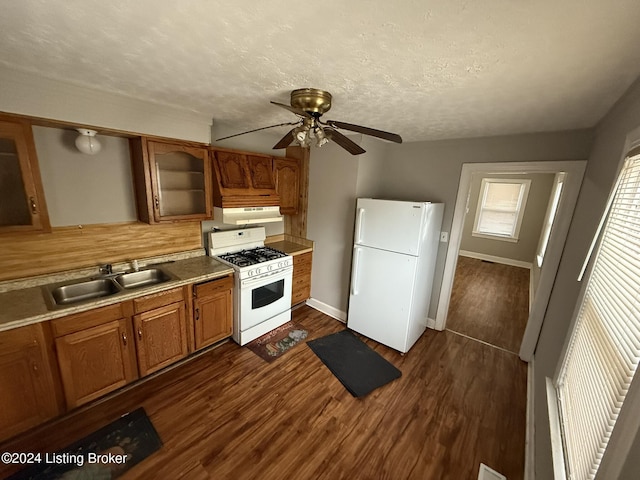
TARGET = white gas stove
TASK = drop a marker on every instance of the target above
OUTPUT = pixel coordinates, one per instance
(262, 299)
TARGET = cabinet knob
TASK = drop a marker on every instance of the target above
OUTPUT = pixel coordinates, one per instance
(124, 339)
(34, 207)
(197, 314)
(156, 201)
(140, 333)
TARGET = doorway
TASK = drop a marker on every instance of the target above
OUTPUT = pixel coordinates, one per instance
(574, 172)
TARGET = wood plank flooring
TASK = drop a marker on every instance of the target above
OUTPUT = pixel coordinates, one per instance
(230, 415)
(490, 302)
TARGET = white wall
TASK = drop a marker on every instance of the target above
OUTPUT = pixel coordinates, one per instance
(28, 94)
(83, 189)
(603, 162)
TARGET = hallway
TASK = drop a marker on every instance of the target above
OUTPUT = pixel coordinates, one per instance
(490, 302)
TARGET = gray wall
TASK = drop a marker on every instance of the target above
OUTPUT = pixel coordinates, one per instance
(333, 189)
(599, 177)
(83, 189)
(524, 250)
(431, 170)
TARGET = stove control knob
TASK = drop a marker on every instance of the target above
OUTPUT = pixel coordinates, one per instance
(258, 271)
(270, 267)
(250, 273)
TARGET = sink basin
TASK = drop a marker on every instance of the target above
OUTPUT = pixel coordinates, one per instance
(143, 278)
(81, 291)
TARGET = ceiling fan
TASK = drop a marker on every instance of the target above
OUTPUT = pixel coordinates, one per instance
(309, 104)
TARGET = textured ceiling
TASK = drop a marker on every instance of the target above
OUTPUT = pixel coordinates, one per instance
(425, 69)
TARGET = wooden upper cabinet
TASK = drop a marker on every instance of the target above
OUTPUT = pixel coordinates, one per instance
(243, 179)
(287, 178)
(173, 180)
(261, 172)
(22, 204)
(232, 169)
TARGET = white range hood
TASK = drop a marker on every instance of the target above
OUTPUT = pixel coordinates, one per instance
(247, 215)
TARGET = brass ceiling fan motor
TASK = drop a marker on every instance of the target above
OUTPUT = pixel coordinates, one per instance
(311, 100)
(309, 104)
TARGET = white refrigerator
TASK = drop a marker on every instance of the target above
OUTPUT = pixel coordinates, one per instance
(394, 259)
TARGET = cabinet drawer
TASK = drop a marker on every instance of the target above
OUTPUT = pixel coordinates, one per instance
(302, 259)
(300, 294)
(91, 318)
(213, 287)
(156, 300)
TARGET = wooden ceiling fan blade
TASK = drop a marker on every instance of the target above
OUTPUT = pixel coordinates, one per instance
(350, 146)
(256, 130)
(286, 140)
(295, 110)
(392, 137)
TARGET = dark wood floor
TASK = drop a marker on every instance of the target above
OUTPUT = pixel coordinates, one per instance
(490, 302)
(230, 415)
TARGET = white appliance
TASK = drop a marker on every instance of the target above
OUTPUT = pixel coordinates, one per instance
(394, 259)
(247, 215)
(263, 279)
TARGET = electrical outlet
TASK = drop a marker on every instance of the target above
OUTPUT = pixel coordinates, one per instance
(444, 237)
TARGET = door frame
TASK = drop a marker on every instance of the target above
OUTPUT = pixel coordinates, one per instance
(574, 170)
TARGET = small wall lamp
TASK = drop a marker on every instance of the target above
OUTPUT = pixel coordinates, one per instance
(87, 141)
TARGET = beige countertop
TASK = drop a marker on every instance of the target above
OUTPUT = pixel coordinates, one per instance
(25, 306)
(290, 245)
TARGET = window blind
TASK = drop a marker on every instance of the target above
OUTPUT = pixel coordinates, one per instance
(501, 206)
(604, 349)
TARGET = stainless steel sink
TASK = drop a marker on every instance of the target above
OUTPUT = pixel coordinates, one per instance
(82, 291)
(143, 278)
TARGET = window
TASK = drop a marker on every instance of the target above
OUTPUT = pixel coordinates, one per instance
(603, 352)
(501, 208)
(550, 217)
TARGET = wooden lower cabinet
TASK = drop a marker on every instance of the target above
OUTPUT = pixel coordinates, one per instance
(212, 311)
(161, 337)
(96, 361)
(301, 283)
(27, 382)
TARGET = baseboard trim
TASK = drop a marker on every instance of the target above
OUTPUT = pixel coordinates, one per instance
(494, 259)
(431, 323)
(328, 309)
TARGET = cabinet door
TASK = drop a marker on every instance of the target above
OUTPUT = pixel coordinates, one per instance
(96, 361)
(233, 170)
(161, 337)
(287, 178)
(213, 312)
(27, 386)
(22, 206)
(261, 170)
(180, 181)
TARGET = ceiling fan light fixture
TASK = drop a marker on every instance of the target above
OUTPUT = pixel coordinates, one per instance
(321, 138)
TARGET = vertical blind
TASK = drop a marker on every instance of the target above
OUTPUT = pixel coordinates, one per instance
(604, 349)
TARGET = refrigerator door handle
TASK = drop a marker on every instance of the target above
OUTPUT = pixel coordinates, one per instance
(359, 223)
(354, 275)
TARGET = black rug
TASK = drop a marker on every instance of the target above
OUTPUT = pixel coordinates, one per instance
(359, 369)
(104, 454)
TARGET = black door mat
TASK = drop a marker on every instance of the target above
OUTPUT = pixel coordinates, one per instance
(359, 369)
(104, 454)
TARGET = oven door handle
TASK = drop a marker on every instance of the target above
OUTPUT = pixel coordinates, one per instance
(248, 282)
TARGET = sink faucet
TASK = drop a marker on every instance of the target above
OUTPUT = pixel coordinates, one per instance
(106, 269)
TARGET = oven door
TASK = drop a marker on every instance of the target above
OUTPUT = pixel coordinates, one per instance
(264, 297)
